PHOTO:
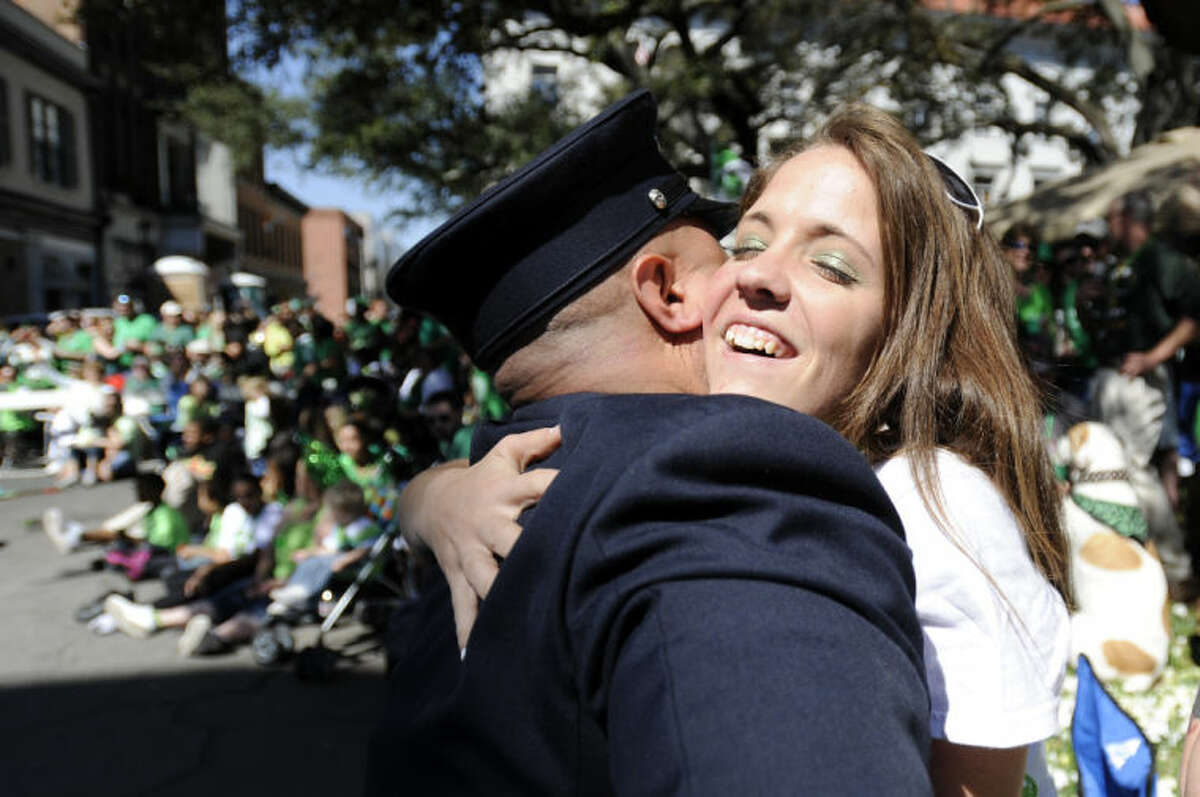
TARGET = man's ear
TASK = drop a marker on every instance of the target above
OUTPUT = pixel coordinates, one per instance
(672, 302)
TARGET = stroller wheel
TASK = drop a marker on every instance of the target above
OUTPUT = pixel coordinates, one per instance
(316, 664)
(283, 635)
(265, 648)
(272, 645)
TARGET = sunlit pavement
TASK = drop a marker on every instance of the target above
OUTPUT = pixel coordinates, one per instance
(110, 715)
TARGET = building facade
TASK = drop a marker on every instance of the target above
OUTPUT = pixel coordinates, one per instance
(49, 220)
(270, 220)
(333, 258)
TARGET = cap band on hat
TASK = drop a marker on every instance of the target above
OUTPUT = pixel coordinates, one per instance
(550, 278)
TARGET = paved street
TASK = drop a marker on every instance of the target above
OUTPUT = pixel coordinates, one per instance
(109, 715)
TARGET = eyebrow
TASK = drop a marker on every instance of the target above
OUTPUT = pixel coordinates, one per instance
(819, 230)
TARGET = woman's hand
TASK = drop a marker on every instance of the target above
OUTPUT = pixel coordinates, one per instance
(468, 515)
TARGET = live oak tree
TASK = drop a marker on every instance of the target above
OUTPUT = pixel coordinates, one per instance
(398, 91)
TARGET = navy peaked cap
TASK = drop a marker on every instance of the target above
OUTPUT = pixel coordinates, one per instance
(542, 236)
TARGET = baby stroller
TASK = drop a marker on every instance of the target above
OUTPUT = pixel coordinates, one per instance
(383, 581)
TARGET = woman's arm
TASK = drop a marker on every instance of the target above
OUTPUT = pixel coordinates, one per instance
(468, 515)
(959, 770)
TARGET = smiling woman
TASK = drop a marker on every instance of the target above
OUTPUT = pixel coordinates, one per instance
(856, 252)
(804, 286)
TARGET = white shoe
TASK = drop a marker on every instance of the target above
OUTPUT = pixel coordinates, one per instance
(291, 595)
(134, 619)
(102, 624)
(193, 634)
(52, 524)
(89, 478)
(277, 609)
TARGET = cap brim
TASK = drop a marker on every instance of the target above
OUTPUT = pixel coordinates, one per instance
(719, 217)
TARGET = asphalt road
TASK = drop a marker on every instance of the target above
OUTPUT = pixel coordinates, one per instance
(83, 714)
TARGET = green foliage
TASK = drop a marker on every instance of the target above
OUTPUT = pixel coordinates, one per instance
(1162, 712)
(243, 116)
(401, 92)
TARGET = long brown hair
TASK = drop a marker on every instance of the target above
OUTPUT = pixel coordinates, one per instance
(947, 372)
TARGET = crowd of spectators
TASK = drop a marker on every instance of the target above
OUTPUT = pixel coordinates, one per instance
(268, 450)
(1107, 319)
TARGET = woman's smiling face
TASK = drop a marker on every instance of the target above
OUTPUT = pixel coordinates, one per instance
(796, 313)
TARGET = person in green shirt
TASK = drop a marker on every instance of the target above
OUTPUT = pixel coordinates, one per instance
(443, 412)
(125, 442)
(1153, 307)
(74, 341)
(146, 534)
(131, 332)
(1035, 303)
(173, 333)
(15, 425)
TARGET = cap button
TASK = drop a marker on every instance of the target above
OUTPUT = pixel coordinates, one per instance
(658, 199)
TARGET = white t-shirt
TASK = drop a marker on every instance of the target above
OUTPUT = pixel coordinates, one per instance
(994, 659)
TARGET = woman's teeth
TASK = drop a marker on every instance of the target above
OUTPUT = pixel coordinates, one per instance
(753, 340)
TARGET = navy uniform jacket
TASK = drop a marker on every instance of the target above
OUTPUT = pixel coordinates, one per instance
(713, 597)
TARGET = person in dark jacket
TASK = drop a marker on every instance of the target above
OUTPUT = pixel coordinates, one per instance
(714, 595)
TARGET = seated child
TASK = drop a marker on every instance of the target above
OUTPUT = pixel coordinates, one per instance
(149, 531)
(231, 557)
(346, 541)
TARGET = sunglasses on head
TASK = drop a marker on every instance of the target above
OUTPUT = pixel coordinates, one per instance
(958, 190)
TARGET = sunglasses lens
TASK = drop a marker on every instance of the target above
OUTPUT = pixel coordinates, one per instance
(957, 189)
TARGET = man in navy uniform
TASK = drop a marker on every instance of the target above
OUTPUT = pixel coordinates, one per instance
(714, 596)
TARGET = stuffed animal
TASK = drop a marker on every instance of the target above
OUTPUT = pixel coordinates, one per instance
(1122, 619)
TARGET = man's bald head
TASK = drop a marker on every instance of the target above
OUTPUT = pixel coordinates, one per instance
(636, 331)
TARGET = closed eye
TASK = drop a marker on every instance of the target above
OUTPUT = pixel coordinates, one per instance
(834, 269)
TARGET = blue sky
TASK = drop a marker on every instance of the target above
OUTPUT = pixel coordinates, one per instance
(319, 189)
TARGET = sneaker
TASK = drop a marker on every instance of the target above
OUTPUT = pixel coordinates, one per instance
(193, 634)
(94, 608)
(102, 624)
(135, 619)
(212, 645)
(291, 595)
(52, 524)
(89, 478)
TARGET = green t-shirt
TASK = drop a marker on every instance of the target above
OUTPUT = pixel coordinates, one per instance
(78, 342)
(1035, 309)
(459, 447)
(140, 328)
(175, 338)
(165, 527)
(289, 539)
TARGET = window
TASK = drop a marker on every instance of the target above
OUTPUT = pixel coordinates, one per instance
(51, 142)
(545, 82)
(181, 175)
(5, 148)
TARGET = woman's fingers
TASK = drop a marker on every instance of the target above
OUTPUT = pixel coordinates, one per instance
(501, 538)
(465, 605)
(527, 447)
(532, 485)
(479, 568)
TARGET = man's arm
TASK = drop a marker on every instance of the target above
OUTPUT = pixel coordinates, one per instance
(1137, 363)
(742, 621)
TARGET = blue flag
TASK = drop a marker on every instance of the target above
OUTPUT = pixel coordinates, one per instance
(1114, 757)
